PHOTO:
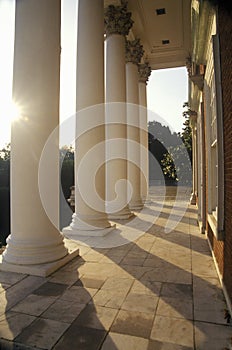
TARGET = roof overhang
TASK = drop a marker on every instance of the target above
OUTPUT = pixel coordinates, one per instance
(166, 37)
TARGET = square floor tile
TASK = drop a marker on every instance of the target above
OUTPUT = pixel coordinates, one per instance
(157, 345)
(64, 310)
(11, 277)
(42, 333)
(19, 291)
(119, 284)
(4, 287)
(51, 289)
(133, 261)
(65, 277)
(209, 310)
(115, 341)
(88, 282)
(81, 338)
(146, 287)
(98, 317)
(12, 324)
(175, 307)
(34, 304)
(133, 323)
(177, 290)
(79, 294)
(212, 336)
(207, 287)
(140, 302)
(173, 330)
(109, 298)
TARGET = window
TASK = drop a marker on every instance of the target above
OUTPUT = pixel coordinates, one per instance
(214, 140)
(213, 145)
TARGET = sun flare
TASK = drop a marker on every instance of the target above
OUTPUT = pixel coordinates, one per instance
(9, 114)
(10, 111)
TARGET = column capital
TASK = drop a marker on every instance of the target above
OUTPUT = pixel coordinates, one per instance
(144, 72)
(196, 72)
(134, 51)
(192, 119)
(117, 20)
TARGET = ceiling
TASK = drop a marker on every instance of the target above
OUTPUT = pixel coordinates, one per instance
(164, 29)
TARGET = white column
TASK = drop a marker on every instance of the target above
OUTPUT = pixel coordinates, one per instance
(134, 53)
(193, 121)
(34, 239)
(144, 73)
(90, 218)
(115, 97)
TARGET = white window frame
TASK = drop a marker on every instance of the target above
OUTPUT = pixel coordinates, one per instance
(214, 117)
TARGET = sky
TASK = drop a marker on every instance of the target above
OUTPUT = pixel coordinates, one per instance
(166, 88)
(6, 67)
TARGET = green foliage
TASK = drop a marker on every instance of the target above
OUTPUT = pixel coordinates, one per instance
(168, 166)
(162, 133)
(176, 163)
(4, 214)
(67, 169)
(186, 134)
(160, 138)
(5, 152)
(67, 180)
(4, 193)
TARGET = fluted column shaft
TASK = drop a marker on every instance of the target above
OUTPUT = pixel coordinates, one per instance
(115, 97)
(134, 53)
(193, 121)
(34, 239)
(144, 73)
(90, 218)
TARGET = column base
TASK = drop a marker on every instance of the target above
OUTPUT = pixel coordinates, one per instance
(123, 214)
(193, 199)
(136, 205)
(117, 216)
(34, 252)
(42, 270)
(72, 232)
(146, 200)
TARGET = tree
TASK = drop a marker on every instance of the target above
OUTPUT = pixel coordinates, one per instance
(4, 193)
(160, 139)
(67, 180)
(5, 152)
(186, 134)
(177, 162)
(67, 169)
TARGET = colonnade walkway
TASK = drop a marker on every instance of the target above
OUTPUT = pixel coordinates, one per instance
(153, 290)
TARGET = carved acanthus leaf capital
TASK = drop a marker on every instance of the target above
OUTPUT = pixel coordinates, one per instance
(196, 72)
(117, 20)
(144, 72)
(188, 64)
(134, 51)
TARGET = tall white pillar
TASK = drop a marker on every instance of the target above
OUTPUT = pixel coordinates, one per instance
(193, 121)
(134, 52)
(144, 73)
(34, 239)
(90, 218)
(115, 97)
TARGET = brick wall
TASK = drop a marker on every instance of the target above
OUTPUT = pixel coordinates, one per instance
(223, 250)
(218, 249)
(225, 32)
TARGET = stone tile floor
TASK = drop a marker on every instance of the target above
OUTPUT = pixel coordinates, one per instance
(160, 291)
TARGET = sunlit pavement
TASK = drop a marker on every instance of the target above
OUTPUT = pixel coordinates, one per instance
(160, 291)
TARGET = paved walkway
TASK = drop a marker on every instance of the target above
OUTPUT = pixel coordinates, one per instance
(160, 291)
